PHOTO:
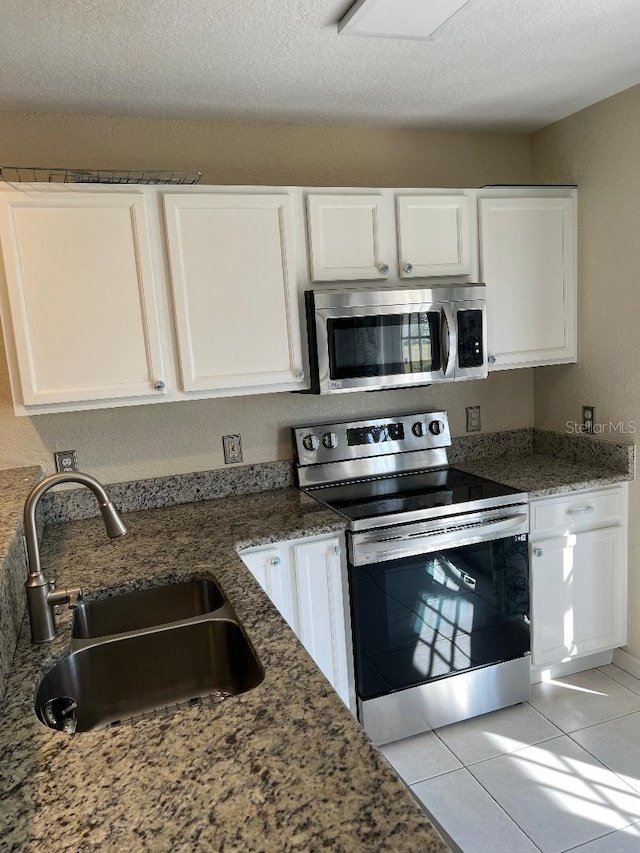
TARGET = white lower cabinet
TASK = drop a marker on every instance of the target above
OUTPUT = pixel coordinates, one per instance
(275, 579)
(578, 576)
(306, 580)
(322, 607)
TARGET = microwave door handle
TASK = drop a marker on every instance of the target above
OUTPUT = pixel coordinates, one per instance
(449, 341)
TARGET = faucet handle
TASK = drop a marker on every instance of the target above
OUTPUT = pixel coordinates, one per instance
(69, 595)
(76, 594)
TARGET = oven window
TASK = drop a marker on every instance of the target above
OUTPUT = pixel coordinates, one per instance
(384, 345)
(422, 618)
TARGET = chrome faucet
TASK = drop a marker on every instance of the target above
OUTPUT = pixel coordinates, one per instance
(42, 596)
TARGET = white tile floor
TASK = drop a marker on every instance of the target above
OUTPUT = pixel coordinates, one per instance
(559, 773)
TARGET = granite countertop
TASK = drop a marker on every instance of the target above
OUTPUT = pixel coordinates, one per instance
(542, 475)
(282, 767)
(15, 485)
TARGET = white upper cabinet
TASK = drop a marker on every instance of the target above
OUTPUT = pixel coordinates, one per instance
(117, 296)
(232, 263)
(349, 236)
(79, 310)
(528, 262)
(433, 235)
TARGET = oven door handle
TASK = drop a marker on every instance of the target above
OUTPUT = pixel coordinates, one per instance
(449, 343)
(384, 548)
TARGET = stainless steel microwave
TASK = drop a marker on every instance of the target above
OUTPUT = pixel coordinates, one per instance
(368, 339)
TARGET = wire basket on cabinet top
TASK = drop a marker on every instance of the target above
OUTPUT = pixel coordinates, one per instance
(40, 174)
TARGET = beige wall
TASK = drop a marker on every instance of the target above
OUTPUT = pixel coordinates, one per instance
(598, 149)
(143, 441)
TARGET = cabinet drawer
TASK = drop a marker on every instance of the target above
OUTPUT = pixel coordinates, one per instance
(578, 511)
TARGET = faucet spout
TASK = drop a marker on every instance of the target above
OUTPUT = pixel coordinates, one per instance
(41, 596)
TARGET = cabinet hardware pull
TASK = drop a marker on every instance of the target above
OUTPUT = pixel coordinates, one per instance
(337, 550)
(275, 561)
(582, 510)
(537, 552)
(159, 385)
(384, 269)
(407, 268)
(299, 374)
(492, 359)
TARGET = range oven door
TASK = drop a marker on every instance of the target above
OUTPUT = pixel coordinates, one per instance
(381, 346)
(438, 624)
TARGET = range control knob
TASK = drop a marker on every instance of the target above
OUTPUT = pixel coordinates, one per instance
(330, 439)
(311, 442)
(436, 427)
(419, 429)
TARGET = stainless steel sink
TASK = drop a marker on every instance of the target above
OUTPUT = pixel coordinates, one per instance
(142, 651)
(144, 609)
(121, 679)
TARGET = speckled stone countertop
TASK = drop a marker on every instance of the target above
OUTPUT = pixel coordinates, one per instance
(15, 484)
(283, 767)
(542, 475)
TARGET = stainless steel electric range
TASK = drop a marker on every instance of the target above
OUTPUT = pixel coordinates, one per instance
(438, 572)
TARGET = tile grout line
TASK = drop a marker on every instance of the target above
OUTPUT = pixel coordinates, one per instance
(466, 767)
(599, 838)
(576, 847)
(600, 722)
(502, 809)
(611, 770)
(429, 778)
(620, 682)
(516, 751)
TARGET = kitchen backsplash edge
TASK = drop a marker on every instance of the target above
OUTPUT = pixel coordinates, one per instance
(75, 504)
(157, 492)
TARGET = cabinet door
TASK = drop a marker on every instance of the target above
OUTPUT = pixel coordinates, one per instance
(81, 295)
(578, 595)
(272, 571)
(349, 237)
(322, 609)
(433, 235)
(527, 260)
(232, 270)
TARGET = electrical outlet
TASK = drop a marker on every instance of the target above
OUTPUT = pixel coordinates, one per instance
(473, 419)
(232, 448)
(65, 461)
(588, 418)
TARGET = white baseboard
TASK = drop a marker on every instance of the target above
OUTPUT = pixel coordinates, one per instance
(559, 670)
(627, 662)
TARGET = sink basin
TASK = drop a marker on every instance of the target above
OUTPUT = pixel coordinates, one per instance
(147, 608)
(123, 678)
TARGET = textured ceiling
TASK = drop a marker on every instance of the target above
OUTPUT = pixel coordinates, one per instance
(498, 64)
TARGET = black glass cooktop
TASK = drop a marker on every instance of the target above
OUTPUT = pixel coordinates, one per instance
(423, 494)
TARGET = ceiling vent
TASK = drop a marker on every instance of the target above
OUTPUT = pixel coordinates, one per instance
(399, 19)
